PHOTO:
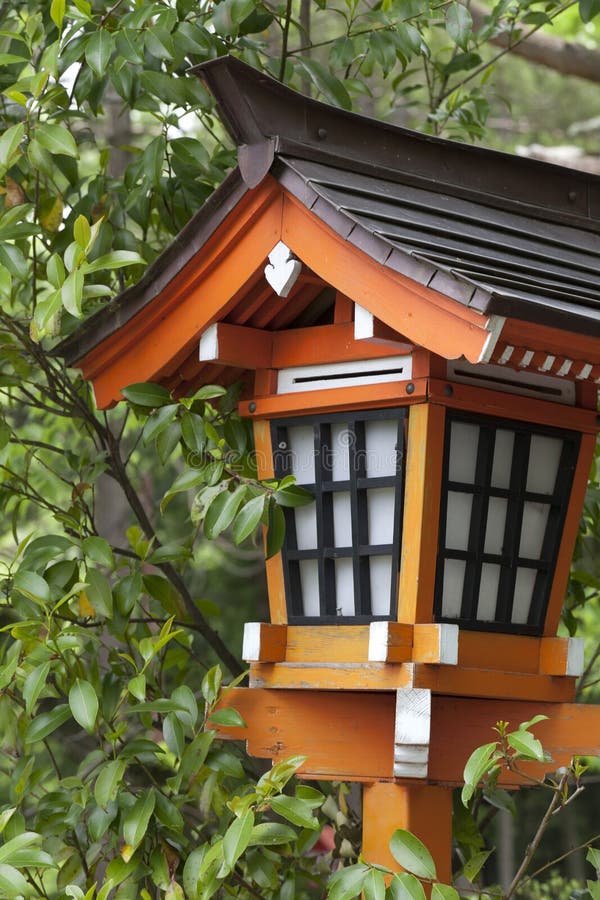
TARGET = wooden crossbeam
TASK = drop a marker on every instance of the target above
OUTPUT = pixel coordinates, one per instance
(256, 348)
(333, 728)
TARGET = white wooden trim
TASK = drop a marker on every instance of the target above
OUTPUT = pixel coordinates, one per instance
(506, 354)
(494, 326)
(344, 374)
(209, 344)
(364, 323)
(378, 641)
(584, 372)
(412, 733)
(283, 269)
(251, 642)
(575, 657)
(448, 644)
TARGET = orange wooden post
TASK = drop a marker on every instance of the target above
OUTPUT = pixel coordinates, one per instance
(426, 810)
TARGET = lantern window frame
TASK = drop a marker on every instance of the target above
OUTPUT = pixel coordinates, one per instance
(481, 491)
(357, 485)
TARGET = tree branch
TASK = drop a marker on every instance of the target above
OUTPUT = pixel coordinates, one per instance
(567, 57)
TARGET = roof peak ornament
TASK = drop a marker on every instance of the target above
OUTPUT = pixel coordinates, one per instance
(283, 269)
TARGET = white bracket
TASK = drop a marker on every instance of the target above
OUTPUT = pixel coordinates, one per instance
(412, 733)
(283, 269)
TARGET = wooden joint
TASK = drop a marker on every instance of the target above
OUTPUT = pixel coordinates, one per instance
(436, 644)
(236, 345)
(264, 643)
(369, 328)
(397, 642)
(390, 642)
(561, 656)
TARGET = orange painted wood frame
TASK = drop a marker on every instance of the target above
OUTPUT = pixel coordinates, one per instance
(274, 566)
(426, 810)
(423, 484)
(333, 729)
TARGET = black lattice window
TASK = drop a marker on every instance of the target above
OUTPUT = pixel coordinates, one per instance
(505, 493)
(341, 552)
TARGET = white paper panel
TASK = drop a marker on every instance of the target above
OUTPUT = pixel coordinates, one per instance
(503, 452)
(342, 520)
(496, 521)
(309, 581)
(458, 520)
(524, 586)
(488, 592)
(380, 573)
(535, 520)
(544, 457)
(344, 587)
(380, 440)
(302, 447)
(463, 452)
(306, 526)
(454, 577)
(380, 509)
(339, 461)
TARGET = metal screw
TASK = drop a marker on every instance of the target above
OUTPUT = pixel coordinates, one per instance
(572, 196)
(448, 390)
(410, 388)
(282, 445)
(252, 406)
(322, 133)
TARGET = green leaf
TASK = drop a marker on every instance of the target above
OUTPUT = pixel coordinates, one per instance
(270, 834)
(32, 586)
(108, 782)
(275, 530)
(459, 24)
(193, 431)
(374, 886)
(222, 511)
(84, 704)
(296, 811)
(117, 259)
(99, 593)
(137, 818)
(247, 519)
(12, 883)
(158, 421)
(147, 394)
(18, 843)
(331, 87)
(444, 892)
(56, 139)
(347, 883)
(46, 723)
(98, 51)
(589, 9)
(526, 745)
(10, 142)
(478, 764)
(228, 717)
(57, 12)
(173, 734)
(237, 838)
(473, 866)
(294, 495)
(593, 857)
(404, 886)
(462, 62)
(82, 231)
(34, 684)
(98, 550)
(71, 293)
(412, 854)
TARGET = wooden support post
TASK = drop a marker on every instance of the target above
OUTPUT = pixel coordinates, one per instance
(425, 810)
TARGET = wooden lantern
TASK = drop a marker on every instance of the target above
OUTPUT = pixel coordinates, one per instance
(420, 348)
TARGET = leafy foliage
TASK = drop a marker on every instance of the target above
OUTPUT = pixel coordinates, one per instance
(113, 782)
